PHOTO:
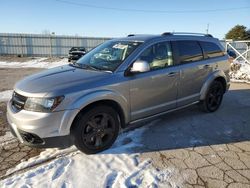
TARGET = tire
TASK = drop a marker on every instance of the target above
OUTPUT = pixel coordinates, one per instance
(213, 98)
(96, 129)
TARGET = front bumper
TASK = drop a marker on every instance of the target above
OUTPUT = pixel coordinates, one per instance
(33, 140)
(41, 129)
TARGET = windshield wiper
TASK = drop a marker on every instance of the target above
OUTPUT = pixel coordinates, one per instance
(86, 66)
(90, 67)
(74, 64)
(83, 66)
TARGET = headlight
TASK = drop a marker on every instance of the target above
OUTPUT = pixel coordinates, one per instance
(42, 104)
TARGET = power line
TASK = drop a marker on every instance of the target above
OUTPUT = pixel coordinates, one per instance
(150, 10)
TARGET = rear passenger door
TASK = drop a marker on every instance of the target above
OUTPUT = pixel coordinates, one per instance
(194, 70)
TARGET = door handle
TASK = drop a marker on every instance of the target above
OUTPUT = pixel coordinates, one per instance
(171, 74)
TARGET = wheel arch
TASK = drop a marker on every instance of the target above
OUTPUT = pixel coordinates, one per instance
(105, 102)
(105, 97)
(219, 76)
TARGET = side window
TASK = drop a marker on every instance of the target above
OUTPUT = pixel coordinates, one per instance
(158, 56)
(211, 49)
(189, 51)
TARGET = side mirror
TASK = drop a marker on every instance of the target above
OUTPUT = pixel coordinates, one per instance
(140, 66)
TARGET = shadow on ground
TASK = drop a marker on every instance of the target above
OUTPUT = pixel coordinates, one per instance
(191, 127)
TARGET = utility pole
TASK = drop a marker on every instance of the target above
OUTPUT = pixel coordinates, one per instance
(207, 30)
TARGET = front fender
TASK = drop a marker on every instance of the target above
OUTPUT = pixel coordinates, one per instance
(209, 80)
(96, 96)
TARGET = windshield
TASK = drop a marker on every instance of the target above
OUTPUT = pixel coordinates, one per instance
(108, 56)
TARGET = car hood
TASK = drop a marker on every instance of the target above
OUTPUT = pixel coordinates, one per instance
(62, 79)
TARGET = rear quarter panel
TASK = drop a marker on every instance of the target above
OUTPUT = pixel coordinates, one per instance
(221, 69)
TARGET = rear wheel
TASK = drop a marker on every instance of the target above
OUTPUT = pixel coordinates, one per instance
(96, 130)
(213, 98)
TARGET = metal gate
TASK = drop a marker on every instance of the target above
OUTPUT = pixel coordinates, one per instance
(241, 48)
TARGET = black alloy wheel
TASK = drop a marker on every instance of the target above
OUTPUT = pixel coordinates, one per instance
(96, 130)
(214, 97)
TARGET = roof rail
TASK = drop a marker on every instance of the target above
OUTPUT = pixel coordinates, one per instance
(186, 33)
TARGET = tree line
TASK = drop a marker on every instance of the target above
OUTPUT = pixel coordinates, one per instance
(238, 32)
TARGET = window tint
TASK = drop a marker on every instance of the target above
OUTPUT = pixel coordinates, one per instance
(189, 51)
(158, 56)
(212, 49)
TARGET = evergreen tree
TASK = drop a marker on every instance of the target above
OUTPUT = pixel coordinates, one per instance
(238, 32)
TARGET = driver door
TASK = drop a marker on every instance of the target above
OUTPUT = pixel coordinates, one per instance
(154, 91)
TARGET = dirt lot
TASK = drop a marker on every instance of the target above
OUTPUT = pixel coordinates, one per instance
(8, 77)
(200, 149)
(25, 59)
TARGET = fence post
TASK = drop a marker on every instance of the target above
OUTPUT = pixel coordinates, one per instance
(247, 49)
(22, 45)
(50, 37)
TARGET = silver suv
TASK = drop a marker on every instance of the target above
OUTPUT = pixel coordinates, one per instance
(119, 83)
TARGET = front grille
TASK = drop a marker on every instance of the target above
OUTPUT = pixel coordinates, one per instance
(18, 101)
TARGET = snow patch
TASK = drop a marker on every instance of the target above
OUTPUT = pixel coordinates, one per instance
(5, 95)
(34, 63)
(118, 166)
(124, 144)
(152, 177)
(242, 74)
(44, 156)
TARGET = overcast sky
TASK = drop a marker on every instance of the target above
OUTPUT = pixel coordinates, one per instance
(114, 18)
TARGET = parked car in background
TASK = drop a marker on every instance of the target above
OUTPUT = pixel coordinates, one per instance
(76, 53)
(119, 83)
(231, 53)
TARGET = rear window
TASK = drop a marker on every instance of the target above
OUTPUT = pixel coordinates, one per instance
(211, 49)
(189, 51)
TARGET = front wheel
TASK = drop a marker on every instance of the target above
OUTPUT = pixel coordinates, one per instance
(213, 98)
(96, 130)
